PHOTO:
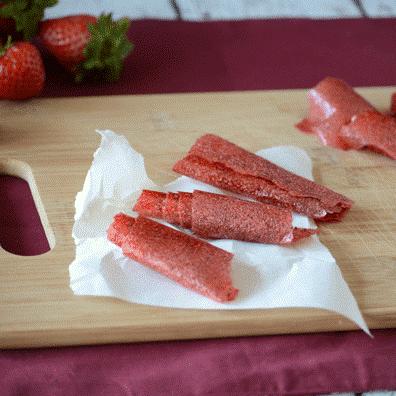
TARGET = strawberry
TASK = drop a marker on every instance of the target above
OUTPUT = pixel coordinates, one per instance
(20, 18)
(22, 74)
(89, 47)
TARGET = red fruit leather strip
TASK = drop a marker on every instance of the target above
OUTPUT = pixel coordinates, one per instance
(221, 216)
(373, 131)
(189, 261)
(150, 204)
(393, 105)
(332, 104)
(175, 208)
(218, 162)
(170, 209)
(119, 228)
(212, 216)
(259, 189)
(185, 209)
(301, 233)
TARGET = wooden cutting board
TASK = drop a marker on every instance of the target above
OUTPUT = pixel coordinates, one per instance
(55, 139)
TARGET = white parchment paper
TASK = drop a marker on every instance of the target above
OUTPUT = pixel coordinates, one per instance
(303, 274)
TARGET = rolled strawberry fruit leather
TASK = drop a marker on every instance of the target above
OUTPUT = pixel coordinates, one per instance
(217, 216)
(393, 105)
(184, 209)
(218, 162)
(119, 228)
(372, 130)
(189, 261)
(332, 103)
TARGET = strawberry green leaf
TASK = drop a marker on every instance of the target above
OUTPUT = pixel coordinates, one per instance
(106, 50)
(26, 14)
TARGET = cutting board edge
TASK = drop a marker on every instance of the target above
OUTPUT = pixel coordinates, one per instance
(306, 320)
(18, 168)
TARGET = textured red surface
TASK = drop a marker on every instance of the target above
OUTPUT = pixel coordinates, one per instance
(120, 228)
(220, 216)
(184, 209)
(22, 73)
(67, 37)
(170, 208)
(343, 119)
(371, 130)
(393, 105)
(214, 216)
(191, 262)
(218, 162)
(150, 203)
(332, 104)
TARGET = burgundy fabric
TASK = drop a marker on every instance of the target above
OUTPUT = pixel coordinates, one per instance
(249, 366)
(176, 56)
(180, 56)
(21, 231)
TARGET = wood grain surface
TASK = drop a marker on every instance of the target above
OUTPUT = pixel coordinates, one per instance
(50, 143)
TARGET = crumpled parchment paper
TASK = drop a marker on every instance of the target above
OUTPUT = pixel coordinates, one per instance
(303, 274)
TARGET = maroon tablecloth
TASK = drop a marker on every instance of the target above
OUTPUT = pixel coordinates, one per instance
(176, 56)
(248, 366)
(179, 56)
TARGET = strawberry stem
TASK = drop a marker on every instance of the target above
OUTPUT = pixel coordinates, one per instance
(106, 50)
(26, 13)
(8, 44)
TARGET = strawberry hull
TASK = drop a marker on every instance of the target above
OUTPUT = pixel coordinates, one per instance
(91, 48)
(66, 38)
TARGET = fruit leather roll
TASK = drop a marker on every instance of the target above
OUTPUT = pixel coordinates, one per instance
(216, 161)
(189, 261)
(332, 103)
(371, 130)
(210, 215)
(393, 105)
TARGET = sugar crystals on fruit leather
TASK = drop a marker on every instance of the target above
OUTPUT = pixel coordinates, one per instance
(191, 262)
(219, 216)
(220, 163)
